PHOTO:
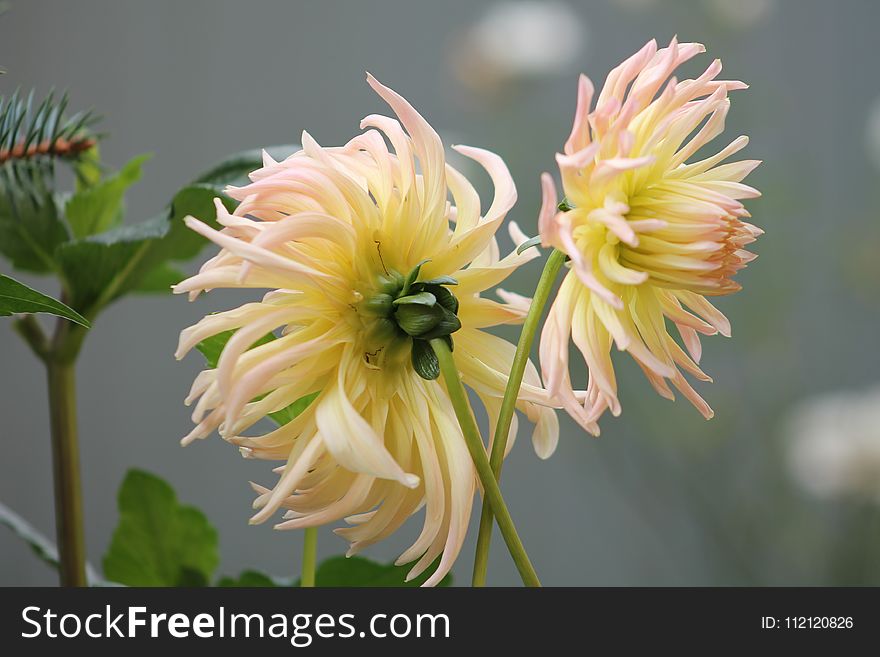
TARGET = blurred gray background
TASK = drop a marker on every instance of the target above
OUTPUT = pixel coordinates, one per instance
(663, 497)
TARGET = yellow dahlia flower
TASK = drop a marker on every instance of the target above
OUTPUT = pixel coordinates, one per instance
(366, 260)
(649, 235)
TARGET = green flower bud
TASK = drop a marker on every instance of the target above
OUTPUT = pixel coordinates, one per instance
(416, 319)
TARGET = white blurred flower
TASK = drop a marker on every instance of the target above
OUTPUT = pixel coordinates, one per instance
(740, 14)
(519, 40)
(833, 444)
(872, 132)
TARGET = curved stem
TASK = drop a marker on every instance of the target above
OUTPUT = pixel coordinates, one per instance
(32, 333)
(310, 557)
(508, 405)
(491, 491)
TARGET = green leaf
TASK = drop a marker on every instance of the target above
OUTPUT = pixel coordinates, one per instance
(100, 207)
(381, 304)
(211, 349)
(44, 548)
(361, 572)
(416, 320)
(449, 323)
(248, 578)
(158, 541)
(160, 279)
(17, 297)
(441, 280)
(191, 578)
(101, 268)
(422, 299)
(30, 229)
(234, 169)
(424, 360)
(411, 277)
(288, 413)
(41, 546)
(444, 297)
(88, 168)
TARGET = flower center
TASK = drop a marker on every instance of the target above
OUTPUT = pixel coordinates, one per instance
(403, 314)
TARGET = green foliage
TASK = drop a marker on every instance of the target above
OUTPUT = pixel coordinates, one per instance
(82, 239)
(100, 206)
(31, 228)
(42, 547)
(31, 142)
(424, 360)
(101, 268)
(159, 542)
(17, 297)
(159, 279)
(212, 347)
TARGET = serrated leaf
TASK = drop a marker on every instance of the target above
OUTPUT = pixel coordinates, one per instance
(16, 297)
(94, 209)
(420, 299)
(424, 360)
(212, 347)
(158, 541)
(103, 267)
(30, 229)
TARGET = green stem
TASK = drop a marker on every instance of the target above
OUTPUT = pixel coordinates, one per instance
(65, 463)
(31, 332)
(508, 405)
(310, 557)
(491, 490)
(59, 357)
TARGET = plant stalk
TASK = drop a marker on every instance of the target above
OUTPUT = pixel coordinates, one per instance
(66, 470)
(310, 557)
(508, 405)
(491, 490)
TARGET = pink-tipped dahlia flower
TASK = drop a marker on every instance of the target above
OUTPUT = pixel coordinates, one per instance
(366, 260)
(649, 235)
